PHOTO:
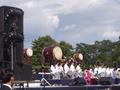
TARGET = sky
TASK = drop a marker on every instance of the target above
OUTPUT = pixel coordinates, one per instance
(73, 21)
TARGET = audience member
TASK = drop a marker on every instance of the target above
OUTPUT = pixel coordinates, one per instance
(7, 80)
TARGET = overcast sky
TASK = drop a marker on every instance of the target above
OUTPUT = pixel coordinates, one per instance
(73, 21)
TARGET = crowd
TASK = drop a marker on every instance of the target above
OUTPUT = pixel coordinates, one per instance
(72, 71)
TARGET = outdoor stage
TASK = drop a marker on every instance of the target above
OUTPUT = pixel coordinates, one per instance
(51, 84)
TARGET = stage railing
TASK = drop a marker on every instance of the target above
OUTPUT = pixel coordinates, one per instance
(84, 87)
(36, 85)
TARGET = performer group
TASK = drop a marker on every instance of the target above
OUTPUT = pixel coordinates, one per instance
(71, 70)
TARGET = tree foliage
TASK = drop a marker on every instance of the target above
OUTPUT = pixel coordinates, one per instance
(106, 51)
(66, 48)
(38, 46)
(46, 41)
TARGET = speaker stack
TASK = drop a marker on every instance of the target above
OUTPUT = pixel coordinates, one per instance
(11, 41)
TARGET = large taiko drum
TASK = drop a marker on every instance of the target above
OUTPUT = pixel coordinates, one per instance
(28, 52)
(78, 56)
(52, 53)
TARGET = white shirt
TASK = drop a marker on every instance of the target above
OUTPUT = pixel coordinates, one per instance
(61, 68)
(8, 86)
(53, 70)
(66, 68)
(78, 69)
(72, 67)
(99, 70)
(95, 70)
(108, 73)
(118, 73)
(103, 72)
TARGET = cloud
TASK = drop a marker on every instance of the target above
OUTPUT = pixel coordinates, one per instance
(70, 27)
(73, 21)
(111, 34)
(54, 20)
(29, 4)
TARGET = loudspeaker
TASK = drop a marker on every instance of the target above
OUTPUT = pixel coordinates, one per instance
(11, 30)
(11, 42)
(23, 72)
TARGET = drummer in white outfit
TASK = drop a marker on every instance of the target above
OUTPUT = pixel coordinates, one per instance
(62, 73)
(66, 69)
(108, 72)
(57, 67)
(79, 72)
(72, 71)
(53, 71)
(95, 71)
(99, 71)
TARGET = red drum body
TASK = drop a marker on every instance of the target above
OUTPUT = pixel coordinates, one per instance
(52, 53)
(78, 56)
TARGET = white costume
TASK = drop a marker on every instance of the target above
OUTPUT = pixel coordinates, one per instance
(99, 71)
(95, 71)
(79, 72)
(108, 72)
(72, 71)
(52, 68)
(118, 73)
(62, 73)
(66, 70)
(104, 72)
(53, 71)
(57, 67)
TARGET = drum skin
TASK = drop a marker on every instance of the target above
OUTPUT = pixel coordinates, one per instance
(28, 52)
(27, 55)
(78, 57)
(52, 53)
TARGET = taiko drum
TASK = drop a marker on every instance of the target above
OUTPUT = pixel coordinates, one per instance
(78, 56)
(52, 53)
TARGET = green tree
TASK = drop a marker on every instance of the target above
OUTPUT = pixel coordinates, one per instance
(101, 51)
(46, 41)
(38, 45)
(66, 48)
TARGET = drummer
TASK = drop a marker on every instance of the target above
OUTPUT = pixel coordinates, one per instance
(66, 69)
(53, 71)
(79, 72)
(61, 70)
(72, 69)
(58, 71)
